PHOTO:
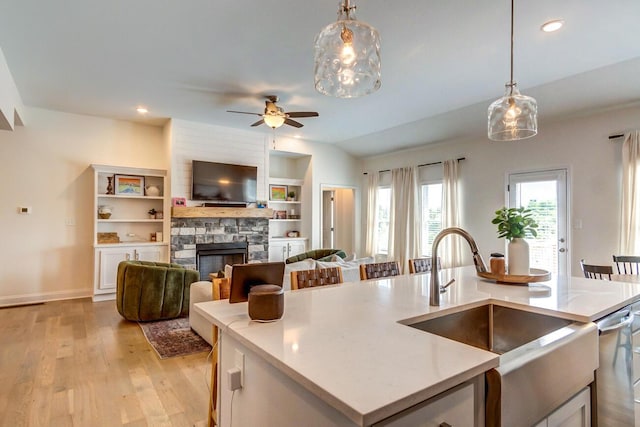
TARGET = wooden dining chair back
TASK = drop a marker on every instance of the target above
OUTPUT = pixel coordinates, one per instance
(379, 269)
(627, 264)
(421, 265)
(312, 278)
(596, 271)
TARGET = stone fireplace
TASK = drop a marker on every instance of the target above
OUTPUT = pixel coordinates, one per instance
(208, 238)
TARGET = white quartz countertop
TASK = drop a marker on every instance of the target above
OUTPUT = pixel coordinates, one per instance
(349, 345)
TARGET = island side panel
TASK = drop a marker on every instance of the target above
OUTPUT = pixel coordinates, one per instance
(268, 397)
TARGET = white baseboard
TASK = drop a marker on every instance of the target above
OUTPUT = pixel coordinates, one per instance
(12, 300)
(104, 297)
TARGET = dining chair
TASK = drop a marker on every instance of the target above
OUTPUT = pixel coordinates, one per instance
(379, 269)
(627, 264)
(596, 271)
(301, 279)
(421, 265)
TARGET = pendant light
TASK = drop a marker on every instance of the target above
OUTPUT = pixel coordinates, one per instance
(514, 116)
(347, 56)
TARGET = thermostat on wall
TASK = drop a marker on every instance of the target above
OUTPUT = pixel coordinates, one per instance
(24, 209)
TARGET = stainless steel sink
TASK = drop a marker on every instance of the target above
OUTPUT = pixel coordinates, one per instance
(544, 359)
(492, 327)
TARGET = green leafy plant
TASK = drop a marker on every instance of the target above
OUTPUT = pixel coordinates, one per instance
(515, 222)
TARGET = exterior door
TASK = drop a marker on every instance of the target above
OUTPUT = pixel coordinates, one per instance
(545, 193)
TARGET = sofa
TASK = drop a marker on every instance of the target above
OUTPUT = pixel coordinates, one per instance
(317, 254)
(153, 290)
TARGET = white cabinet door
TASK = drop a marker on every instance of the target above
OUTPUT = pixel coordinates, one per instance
(574, 413)
(277, 251)
(107, 261)
(151, 253)
(296, 247)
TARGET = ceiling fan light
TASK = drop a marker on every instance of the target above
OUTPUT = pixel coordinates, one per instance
(512, 117)
(274, 121)
(347, 57)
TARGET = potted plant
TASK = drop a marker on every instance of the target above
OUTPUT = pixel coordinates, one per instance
(152, 213)
(515, 224)
(291, 196)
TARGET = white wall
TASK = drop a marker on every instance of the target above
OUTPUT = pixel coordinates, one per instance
(579, 143)
(46, 166)
(198, 141)
(331, 167)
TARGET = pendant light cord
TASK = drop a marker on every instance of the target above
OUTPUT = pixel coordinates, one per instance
(511, 78)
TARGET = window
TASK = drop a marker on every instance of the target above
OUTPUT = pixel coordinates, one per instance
(382, 229)
(431, 207)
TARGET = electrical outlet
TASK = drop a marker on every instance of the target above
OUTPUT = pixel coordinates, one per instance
(234, 379)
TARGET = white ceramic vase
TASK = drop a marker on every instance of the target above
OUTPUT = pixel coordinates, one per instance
(518, 254)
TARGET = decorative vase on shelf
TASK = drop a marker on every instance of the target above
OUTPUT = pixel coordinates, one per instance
(110, 185)
(518, 254)
(152, 190)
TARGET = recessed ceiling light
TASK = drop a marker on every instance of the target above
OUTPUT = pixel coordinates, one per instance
(297, 135)
(142, 110)
(551, 26)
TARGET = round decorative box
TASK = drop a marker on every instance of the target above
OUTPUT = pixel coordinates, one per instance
(266, 302)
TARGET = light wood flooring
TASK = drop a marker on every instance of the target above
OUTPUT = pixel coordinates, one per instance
(78, 363)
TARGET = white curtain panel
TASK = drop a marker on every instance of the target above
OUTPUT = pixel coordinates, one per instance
(451, 255)
(404, 218)
(372, 213)
(629, 220)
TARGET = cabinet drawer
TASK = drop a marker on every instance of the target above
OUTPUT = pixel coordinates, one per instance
(454, 407)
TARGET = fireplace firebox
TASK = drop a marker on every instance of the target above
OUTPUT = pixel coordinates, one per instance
(212, 257)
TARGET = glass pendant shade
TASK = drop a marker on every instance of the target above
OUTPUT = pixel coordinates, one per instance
(513, 117)
(273, 120)
(347, 57)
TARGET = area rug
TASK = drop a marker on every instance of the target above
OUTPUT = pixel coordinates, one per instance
(173, 338)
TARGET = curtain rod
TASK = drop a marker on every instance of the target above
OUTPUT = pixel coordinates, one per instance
(425, 164)
(620, 135)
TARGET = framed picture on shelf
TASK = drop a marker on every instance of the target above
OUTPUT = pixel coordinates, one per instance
(129, 185)
(178, 201)
(280, 214)
(277, 192)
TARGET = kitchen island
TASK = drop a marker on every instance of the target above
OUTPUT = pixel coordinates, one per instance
(343, 355)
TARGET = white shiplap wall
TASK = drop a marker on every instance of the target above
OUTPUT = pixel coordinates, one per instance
(198, 141)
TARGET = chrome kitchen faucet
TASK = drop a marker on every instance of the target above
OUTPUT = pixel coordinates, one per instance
(434, 294)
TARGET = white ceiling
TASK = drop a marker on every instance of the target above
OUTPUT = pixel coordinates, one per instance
(443, 62)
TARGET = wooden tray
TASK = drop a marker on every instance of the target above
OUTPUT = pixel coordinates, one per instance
(535, 275)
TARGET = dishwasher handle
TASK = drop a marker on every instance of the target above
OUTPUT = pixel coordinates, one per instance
(605, 328)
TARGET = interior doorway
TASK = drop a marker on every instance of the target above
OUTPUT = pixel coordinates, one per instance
(546, 194)
(338, 218)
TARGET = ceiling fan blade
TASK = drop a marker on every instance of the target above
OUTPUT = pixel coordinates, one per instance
(302, 114)
(293, 123)
(258, 123)
(244, 112)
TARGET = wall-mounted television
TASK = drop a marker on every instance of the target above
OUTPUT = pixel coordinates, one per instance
(223, 182)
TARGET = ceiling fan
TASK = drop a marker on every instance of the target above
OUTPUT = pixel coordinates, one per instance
(274, 116)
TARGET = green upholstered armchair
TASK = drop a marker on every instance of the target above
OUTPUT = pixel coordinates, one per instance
(153, 290)
(317, 254)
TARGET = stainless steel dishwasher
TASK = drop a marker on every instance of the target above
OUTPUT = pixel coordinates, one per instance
(615, 376)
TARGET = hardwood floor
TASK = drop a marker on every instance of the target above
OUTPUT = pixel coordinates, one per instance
(78, 363)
